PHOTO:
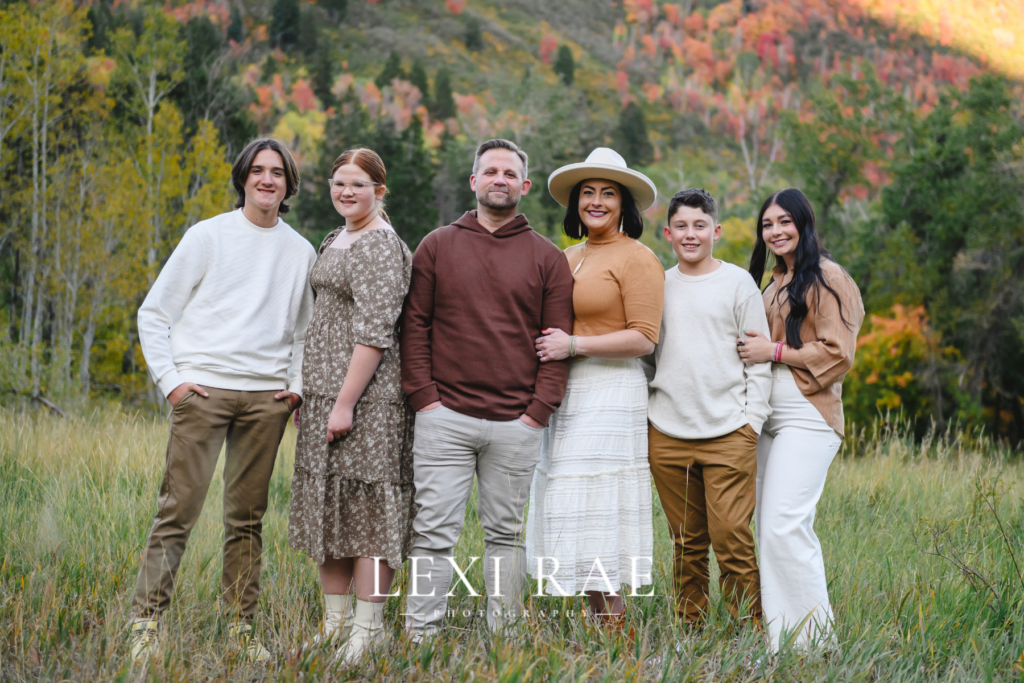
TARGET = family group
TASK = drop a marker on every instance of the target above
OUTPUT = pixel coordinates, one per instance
(564, 378)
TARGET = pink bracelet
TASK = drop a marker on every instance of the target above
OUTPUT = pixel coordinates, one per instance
(777, 356)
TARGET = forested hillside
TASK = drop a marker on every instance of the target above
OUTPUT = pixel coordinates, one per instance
(900, 120)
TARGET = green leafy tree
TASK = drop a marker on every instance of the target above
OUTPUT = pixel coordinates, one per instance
(151, 65)
(565, 65)
(236, 30)
(103, 22)
(452, 194)
(955, 196)
(336, 8)
(418, 77)
(309, 32)
(207, 89)
(410, 204)
(43, 44)
(632, 138)
(444, 101)
(392, 70)
(474, 34)
(203, 47)
(268, 69)
(323, 77)
(284, 22)
(150, 62)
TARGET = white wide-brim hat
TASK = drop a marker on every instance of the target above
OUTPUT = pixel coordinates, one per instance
(606, 164)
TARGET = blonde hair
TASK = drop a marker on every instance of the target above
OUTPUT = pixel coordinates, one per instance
(370, 162)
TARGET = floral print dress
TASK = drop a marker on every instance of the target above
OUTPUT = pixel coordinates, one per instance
(355, 497)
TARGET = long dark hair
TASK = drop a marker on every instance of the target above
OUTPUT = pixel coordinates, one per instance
(632, 219)
(806, 264)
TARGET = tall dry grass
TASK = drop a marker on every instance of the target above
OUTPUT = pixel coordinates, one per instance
(922, 545)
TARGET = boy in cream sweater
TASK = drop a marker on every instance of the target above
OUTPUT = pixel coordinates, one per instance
(706, 410)
(223, 330)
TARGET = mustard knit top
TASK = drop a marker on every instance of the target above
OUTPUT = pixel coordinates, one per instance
(619, 285)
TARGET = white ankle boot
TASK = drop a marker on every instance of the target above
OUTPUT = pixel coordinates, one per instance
(367, 632)
(338, 615)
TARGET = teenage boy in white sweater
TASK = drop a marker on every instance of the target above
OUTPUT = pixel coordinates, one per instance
(706, 410)
(223, 330)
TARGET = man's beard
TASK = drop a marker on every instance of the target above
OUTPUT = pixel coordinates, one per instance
(499, 202)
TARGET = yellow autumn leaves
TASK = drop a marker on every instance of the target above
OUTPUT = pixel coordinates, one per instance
(91, 202)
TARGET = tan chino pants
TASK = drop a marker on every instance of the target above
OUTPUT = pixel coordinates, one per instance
(253, 423)
(707, 490)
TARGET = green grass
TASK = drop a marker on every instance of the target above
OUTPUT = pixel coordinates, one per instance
(77, 498)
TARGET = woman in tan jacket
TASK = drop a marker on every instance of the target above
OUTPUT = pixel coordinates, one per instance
(814, 313)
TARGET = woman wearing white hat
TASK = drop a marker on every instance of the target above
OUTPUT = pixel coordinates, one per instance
(590, 505)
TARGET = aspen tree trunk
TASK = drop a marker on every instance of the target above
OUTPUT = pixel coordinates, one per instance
(99, 291)
(29, 287)
(32, 309)
(88, 336)
(40, 209)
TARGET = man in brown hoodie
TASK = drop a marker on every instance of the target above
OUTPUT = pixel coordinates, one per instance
(482, 290)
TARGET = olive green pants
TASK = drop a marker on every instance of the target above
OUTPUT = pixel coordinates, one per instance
(253, 423)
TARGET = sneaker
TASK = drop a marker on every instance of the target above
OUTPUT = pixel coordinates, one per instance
(252, 649)
(417, 638)
(144, 640)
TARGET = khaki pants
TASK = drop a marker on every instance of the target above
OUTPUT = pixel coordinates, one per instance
(448, 449)
(253, 423)
(706, 488)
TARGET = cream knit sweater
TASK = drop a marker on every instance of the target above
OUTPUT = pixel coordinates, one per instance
(701, 389)
(230, 308)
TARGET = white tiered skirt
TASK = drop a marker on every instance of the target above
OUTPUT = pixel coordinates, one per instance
(591, 496)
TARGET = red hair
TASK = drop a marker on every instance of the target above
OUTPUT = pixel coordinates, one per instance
(370, 162)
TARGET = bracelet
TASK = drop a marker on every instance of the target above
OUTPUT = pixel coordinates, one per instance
(777, 356)
(572, 345)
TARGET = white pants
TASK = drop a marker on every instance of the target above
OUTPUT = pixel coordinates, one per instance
(794, 452)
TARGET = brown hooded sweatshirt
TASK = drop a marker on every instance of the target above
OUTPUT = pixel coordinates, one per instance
(476, 303)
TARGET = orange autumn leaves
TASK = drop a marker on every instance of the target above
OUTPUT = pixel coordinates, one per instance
(741, 71)
(660, 39)
(897, 356)
(990, 30)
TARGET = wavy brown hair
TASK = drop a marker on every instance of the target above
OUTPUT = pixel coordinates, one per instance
(244, 162)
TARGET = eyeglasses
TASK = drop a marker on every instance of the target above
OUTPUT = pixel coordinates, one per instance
(357, 186)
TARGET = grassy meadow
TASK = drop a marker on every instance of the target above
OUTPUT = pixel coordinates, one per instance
(922, 547)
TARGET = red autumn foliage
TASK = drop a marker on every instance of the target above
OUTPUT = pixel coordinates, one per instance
(302, 96)
(548, 45)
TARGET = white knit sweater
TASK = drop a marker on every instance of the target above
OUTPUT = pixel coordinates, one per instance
(701, 389)
(230, 308)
